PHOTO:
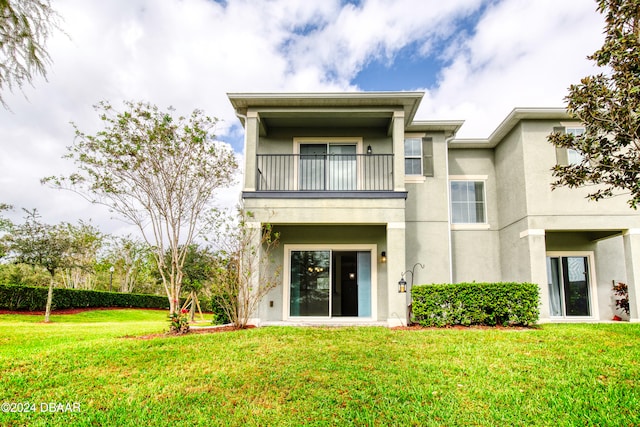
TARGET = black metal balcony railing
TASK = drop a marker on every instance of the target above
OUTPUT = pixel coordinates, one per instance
(324, 172)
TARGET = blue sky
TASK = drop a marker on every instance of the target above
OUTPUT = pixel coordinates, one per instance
(407, 69)
(475, 60)
(411, 67)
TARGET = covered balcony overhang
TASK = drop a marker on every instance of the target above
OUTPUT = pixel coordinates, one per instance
(332, 110)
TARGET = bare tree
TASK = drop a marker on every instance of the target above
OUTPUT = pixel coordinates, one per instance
(157, 171)
(245, 271)
(87, 242)
(130, 258)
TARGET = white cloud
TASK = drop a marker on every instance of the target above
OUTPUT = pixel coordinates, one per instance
(522, 54)
(190, 53)
(376, 30)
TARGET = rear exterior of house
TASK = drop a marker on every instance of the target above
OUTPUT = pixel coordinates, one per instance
(361, 193)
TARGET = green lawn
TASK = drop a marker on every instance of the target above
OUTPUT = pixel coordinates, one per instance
(557, 375)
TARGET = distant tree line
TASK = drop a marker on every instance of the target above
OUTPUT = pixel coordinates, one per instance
(87, 258)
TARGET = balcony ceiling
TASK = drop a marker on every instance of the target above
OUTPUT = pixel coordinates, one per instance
(338, 110)
(331, 119)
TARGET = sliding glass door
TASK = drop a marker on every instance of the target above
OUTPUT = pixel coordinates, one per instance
(326, 283)
(310, 284)
(569, 286)
(342, 167)
(328, 167)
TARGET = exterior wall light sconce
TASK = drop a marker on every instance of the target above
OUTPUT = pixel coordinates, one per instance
(369, 150)
(383, 257)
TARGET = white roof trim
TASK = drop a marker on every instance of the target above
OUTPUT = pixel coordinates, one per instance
(507, 125)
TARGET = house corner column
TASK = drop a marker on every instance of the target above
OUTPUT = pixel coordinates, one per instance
(398, 150)
(251, 136)
(631, 240)
(253, 257)
(397, 302)
(537, 250)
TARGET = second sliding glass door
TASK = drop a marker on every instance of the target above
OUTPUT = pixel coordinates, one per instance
(569, 286)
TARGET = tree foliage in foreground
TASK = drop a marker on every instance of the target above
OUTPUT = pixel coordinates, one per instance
(157, 171)
(25, 26)
(38, 244)
(608, 104)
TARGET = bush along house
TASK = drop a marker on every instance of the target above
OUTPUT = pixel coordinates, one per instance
(360, 192)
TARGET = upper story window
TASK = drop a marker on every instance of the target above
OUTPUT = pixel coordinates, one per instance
(418, 156)
(574, 157)
(413, 156)
(569, 156)
(468, 202)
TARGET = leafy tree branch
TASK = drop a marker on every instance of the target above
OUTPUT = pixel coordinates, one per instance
(158, 171)
(608, 104)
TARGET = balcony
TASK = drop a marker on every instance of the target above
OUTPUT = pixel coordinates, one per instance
(325, 175)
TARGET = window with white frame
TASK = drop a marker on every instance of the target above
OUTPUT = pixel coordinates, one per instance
(413, 156)
(574, 157)
(468, 202)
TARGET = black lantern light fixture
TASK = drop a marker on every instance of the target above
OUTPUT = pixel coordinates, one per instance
(383, 257)
(369, 150)
(402, 284)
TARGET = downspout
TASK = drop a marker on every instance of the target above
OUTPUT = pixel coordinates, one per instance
(446, 157)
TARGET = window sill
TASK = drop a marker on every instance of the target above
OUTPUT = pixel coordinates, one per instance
(480, 226)
(414, 179)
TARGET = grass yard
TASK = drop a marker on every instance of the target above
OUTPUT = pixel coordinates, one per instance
(87, 363)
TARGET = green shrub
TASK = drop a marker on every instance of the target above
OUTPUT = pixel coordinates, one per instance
(32, 298)
(508, 304)
(210, 305)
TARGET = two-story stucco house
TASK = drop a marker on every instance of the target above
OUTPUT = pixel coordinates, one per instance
(361, 192)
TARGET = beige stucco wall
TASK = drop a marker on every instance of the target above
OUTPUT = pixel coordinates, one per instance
(476, 256)
(510, 179)
(327, 211)
(525, 219)
(476, 247)
(428, 244)
(427, 217)
(327, 235)
(514, 253)
(540, 157)
(610, 266)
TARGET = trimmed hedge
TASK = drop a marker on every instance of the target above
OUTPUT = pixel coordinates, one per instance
(34, 298)
(508, 304)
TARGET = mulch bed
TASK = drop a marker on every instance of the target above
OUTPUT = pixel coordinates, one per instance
(417, 327)
(212, 330)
